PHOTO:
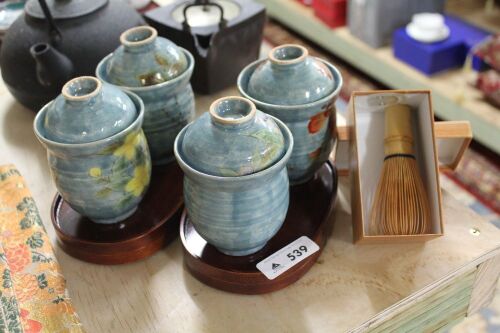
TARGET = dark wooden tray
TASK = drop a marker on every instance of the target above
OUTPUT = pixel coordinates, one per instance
(308, 215)
(150, 228)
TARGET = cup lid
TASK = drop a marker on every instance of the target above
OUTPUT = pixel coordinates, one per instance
(232, 139)
(144, 59)
(291, 77)
(88, 110)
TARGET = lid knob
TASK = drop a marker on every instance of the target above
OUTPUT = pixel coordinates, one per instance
(288, 54)
(232, 110)
(138, 37)
(82, 89)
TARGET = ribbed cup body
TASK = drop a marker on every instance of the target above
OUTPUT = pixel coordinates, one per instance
(238, 215)
(168, 108)
(106, 179)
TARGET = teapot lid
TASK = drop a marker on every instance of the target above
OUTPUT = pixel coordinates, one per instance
(232, 139)
(63, 9)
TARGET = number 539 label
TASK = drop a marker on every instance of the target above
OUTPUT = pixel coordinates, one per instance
(281, 261)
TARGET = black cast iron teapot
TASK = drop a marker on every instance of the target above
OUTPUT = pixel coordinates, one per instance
(223, 35)
(56, 40)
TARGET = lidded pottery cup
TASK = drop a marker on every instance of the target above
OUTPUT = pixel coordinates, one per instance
(158, 71)
(236, 187)
(97, 151)
(301, 91)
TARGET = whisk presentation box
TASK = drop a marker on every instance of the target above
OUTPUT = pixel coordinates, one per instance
(365, 134)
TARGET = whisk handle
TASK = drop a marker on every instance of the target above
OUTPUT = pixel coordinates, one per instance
(398, 130)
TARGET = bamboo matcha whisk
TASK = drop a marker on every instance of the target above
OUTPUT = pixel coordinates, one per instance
(401, 206)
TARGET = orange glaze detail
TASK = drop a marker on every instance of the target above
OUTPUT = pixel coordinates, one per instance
(315, 154)
(317, 121)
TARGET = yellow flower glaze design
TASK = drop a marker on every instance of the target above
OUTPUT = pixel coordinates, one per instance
(95, 172)
(127, 149)
(141, 179)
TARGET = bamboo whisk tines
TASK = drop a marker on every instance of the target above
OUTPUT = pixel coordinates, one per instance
(400, 206)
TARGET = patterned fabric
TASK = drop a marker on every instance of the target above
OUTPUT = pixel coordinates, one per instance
(481, 177)
(33, 295)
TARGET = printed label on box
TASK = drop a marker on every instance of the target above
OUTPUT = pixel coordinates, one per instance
(281, 261)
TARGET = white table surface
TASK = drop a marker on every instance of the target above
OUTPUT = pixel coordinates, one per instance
(349, 285)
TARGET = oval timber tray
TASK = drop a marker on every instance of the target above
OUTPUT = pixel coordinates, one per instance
(150, 228)
(308, 215)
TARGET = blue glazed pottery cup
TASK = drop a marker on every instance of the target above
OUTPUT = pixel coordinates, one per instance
(237, 214)
(169, 105)
(300, 91)
(104, 179)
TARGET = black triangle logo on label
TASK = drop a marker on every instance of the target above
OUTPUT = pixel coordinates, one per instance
(276, 266)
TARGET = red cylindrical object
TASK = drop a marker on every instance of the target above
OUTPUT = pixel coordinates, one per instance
(332, 12)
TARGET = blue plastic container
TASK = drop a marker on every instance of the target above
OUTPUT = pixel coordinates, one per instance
(431, 58)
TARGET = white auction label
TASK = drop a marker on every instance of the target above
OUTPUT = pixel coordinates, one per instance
(281, 261)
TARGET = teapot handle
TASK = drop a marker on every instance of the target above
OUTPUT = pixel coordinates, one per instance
(185, 24)
(202, 50)
(54, 31)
